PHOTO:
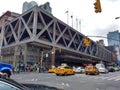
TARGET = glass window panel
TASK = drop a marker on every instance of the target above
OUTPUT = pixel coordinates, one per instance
(5, 86)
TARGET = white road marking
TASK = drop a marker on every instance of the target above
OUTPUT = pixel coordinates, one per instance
(32, 79)
(63, 84)
(103, 78)
(113, 78)
(67, 85)
(117, 79)
(97, 89)
(96, 77)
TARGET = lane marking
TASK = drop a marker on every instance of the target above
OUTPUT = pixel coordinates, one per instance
(113, 78)
(97, 89)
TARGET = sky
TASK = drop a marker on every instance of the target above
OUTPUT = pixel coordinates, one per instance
(85, 20)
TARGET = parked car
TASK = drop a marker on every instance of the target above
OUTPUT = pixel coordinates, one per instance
(64, 70)
(111, 68)
(117, 68)
(9, 84)
(101, 68)
(91, 70)
(79, 69)
(5, 69)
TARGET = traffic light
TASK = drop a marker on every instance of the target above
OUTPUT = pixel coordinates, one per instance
(97, 6)
(86, 42)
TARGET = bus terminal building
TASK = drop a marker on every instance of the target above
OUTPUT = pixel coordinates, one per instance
(36, 36)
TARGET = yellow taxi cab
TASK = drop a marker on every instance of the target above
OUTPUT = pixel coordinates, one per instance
(52, 70)
(91, 70)
(64, 70)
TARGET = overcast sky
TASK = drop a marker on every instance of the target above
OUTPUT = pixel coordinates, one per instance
(92, 24)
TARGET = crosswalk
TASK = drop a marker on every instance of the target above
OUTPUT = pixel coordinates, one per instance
(110, 77)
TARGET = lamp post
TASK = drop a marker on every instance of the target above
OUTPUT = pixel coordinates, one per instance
(117, 17)
(118, 45)
(41, 62)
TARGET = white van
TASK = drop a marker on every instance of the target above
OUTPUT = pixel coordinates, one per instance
(101, 68)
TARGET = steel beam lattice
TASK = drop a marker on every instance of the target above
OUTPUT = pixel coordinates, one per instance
(40, 26)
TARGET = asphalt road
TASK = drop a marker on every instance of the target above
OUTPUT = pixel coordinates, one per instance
(110, 81)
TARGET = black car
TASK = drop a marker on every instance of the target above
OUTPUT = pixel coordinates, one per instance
(111, 69)
(9, 84)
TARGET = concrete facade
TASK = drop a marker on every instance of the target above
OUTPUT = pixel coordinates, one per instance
(5, 18)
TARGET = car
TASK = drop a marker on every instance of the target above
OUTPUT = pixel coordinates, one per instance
(52, 69)
(10, 84)
(111, 68)
(79, 69)
(3, 75)
(117, 68)
(64, 70)
(101, 68)
(5, 69)
(91, 70)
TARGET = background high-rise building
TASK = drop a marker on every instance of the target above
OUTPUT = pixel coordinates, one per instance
(28, 5)
(114, 40)
(46, 7)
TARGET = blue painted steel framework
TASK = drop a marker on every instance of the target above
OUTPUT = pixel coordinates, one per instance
(37, 25)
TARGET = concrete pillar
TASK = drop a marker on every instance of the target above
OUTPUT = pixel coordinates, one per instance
(14, 57)
(53, 57)
(25, 53)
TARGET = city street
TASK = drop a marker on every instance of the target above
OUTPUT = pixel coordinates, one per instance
(40, 41)
(110, 81)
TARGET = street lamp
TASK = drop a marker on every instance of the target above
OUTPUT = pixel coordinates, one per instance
(41, 62)
(117, 17)
(118, 44)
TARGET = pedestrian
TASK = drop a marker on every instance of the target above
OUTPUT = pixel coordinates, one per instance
(31, 68)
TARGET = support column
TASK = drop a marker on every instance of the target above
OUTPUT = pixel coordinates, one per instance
(25, 54)
(53, 57)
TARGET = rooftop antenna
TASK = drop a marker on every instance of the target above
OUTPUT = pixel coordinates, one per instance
(67, 12)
